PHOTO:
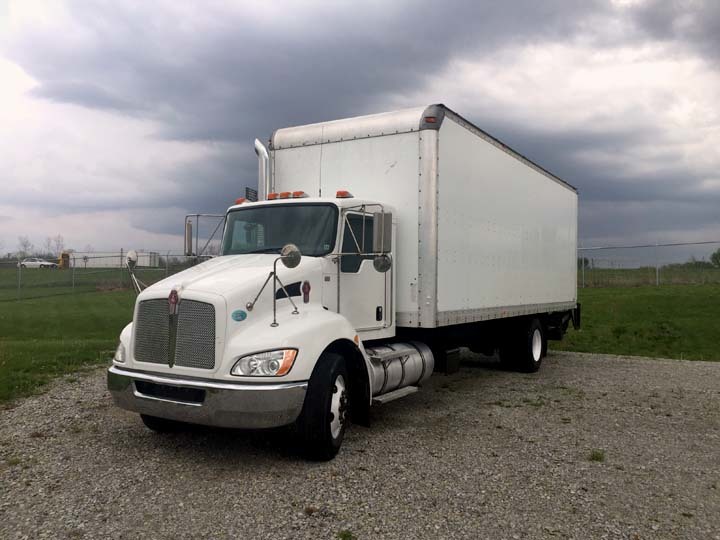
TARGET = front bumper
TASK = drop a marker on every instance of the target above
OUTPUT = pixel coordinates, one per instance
(211, 403)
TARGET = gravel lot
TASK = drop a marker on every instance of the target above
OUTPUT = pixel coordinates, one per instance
(480, 454)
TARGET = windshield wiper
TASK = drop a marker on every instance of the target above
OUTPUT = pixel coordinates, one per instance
(264, 250)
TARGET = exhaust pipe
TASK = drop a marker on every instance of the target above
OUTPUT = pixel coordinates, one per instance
(263, 170)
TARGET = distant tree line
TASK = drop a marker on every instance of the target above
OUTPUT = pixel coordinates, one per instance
(51, 248)
(714, 262)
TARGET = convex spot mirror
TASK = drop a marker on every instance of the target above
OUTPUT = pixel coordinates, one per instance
(290, 255)
(132, 259)
(382, 263)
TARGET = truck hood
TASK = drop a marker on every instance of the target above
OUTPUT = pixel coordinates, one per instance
(231, 273)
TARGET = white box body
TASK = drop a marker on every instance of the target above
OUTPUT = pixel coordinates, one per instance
(483, 233)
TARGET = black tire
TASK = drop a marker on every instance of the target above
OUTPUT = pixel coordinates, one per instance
(23, 266)
(532, 344)
(525, 347)
(320, 436)
(162, 425)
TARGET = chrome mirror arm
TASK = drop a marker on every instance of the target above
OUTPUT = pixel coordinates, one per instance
(273, 275)
(276, 280)
(250, 305)
(136, 283)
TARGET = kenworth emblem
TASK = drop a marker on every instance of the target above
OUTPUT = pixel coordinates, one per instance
(173, 307)
(173, 302)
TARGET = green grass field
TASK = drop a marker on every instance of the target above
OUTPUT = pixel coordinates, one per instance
(44, 282)
(673, 321)
(43, 338)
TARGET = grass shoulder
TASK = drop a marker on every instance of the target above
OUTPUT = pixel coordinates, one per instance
(671, 321)
(44, 338)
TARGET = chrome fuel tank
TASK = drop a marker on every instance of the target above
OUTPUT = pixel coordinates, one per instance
(396, 365)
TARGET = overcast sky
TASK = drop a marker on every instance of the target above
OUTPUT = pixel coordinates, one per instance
(117, 118)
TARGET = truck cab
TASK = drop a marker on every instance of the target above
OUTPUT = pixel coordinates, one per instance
(236, 341)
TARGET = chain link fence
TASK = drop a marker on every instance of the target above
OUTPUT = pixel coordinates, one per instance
(650, 264)
(85, 272)
(598, 266)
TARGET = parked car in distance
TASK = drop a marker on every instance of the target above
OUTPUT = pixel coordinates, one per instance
(34, 262)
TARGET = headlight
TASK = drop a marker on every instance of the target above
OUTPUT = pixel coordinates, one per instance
(265, 364)
(120, 354)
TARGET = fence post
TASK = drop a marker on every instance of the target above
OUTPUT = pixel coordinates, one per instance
(121, 267)
(657, 266)
(19, 274)
(73, 273)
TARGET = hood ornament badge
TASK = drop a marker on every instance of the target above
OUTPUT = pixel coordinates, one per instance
(173, 302)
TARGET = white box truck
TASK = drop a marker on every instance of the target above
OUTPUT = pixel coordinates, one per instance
(379, 244)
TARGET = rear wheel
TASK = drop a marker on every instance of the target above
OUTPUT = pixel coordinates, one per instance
(525, 347)
(324, 417)
(162, 425)
(532, 347)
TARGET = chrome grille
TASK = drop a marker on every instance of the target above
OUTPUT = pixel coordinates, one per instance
(195, 338)
(152, 331)
(195, 342)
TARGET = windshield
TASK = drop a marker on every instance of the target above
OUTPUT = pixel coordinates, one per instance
(266, 229)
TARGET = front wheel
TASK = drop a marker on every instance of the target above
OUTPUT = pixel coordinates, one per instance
(324, 418)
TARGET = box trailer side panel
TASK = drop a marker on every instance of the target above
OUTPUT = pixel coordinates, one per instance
(383, 168)
(507, 231)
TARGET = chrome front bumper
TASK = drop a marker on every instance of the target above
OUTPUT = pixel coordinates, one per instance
(211, 403)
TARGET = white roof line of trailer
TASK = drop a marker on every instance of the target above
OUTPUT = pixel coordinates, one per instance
(390, 123)
(359, 127)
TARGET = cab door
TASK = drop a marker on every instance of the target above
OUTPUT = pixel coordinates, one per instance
(363, 290)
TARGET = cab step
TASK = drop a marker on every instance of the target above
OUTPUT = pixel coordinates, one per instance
(395, 394)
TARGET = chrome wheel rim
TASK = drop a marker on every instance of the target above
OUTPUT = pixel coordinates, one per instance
(536, 345)
(338, 406)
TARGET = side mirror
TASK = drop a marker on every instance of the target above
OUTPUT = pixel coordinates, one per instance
(382, 263)
(132, 259)
(382, 232)
(290, 255)
(188, 238)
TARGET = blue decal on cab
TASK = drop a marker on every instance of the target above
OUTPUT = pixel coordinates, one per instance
(238, 315)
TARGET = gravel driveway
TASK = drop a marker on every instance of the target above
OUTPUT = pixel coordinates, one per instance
(591, 447)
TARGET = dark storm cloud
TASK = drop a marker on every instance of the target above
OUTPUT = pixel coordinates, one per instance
(231, 75)
(610, 181)
(691, 23)
(80, 93)
(617, 204)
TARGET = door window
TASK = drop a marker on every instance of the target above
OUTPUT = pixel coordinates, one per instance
(357, 239)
